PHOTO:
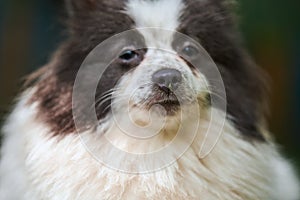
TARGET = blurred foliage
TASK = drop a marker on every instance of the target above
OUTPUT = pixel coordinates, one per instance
(272, 29)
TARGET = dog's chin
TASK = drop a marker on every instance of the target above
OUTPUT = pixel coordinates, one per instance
(171, 107)
(169, 103)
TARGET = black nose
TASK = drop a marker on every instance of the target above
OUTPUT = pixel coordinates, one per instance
(167, 79)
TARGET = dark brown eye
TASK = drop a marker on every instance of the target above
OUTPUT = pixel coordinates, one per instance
(190, 51)
(128, 55)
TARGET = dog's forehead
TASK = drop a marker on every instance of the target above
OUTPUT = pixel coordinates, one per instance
(161, 15)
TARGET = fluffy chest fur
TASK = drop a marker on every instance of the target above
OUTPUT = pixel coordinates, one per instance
(47, 173)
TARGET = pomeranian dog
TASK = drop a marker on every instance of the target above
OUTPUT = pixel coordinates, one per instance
(146, 99)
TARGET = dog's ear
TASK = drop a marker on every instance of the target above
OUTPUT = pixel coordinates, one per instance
(75, 6)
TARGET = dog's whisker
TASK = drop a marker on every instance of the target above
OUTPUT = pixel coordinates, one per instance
(115, 102)
(211, 93)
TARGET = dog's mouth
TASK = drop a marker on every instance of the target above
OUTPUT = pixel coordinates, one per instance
(170, 106)
(166, 99)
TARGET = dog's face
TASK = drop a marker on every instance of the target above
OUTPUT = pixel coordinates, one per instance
(160, 76)
(154, 66)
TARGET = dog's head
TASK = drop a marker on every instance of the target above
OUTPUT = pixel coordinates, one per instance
(159, 63)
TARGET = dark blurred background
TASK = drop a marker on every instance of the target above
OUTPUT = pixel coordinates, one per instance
(31, 30)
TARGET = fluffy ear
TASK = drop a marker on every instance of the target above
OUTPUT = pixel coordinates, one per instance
(74, 6)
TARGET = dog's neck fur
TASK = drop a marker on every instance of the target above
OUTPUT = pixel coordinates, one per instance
(235, 169)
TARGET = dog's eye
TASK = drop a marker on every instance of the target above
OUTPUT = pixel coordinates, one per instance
(128, 55)
(190, 51)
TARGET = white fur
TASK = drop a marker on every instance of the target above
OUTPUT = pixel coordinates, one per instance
(162, 16)
(287, 185)
(155, 14)
(13, 173)
(39, 167)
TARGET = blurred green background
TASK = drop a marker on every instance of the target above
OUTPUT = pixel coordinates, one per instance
(31, 30)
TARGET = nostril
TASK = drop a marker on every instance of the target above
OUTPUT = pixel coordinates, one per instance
(167, 79)
(165, 89)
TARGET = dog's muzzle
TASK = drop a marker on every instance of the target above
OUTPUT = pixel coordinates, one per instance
(165, 84)
(167, 79)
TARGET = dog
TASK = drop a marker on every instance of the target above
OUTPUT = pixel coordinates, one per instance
(166, 73)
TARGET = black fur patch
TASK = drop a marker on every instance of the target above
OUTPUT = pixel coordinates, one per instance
(91, 22)
(212, 24)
